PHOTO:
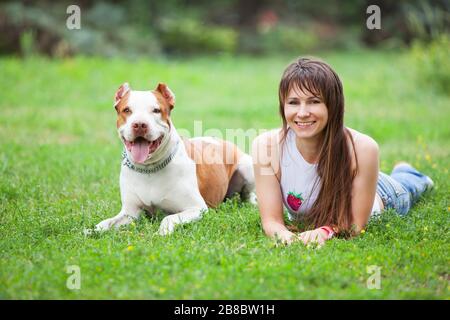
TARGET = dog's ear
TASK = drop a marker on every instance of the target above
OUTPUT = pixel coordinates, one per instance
(120, 93)
(167, 94)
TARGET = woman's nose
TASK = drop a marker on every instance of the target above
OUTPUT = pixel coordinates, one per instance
(303, 111)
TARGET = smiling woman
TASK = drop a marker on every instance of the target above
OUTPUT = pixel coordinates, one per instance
(324, 173)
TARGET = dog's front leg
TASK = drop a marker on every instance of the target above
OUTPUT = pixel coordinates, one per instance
(189, 215)
(127, 214)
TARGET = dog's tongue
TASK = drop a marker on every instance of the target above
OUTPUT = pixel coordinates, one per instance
(140, 150)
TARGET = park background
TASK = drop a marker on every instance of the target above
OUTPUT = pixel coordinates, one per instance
(60, 155)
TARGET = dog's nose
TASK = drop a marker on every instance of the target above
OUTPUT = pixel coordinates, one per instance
(139, 128)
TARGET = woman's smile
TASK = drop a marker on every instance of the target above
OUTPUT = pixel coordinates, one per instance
(304, 124)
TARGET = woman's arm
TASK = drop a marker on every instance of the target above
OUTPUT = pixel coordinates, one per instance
(365, 183)
(363, 190)
(268, 190)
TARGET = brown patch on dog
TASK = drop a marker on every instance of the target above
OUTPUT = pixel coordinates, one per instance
(164, 106)
(215, 165)
(120, 107)
(166, 93)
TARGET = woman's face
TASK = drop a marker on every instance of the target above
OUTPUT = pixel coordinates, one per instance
(305, 113)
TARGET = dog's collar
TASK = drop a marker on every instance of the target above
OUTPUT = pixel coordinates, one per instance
(150, 168)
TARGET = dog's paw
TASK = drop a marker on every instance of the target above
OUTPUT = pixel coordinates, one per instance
(167, 226)
(103, 226)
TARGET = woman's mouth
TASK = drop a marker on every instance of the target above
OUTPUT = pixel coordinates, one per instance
(141, 148)
(304, 124)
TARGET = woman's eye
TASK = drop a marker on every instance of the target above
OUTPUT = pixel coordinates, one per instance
(156, 110)
(316, 101)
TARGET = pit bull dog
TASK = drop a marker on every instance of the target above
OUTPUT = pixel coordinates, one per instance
(183, 177)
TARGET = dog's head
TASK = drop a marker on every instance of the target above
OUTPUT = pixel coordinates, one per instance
(143, 119)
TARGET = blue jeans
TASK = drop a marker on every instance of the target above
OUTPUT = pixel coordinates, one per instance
(402, 188)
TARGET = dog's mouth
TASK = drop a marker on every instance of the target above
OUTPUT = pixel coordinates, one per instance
(140, 148)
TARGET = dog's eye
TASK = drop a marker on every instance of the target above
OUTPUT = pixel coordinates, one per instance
(127, 110)
(156, 110)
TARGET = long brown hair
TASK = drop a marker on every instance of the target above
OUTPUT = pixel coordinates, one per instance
(334, 202)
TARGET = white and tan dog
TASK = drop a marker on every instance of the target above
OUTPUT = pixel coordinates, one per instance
(162, 170)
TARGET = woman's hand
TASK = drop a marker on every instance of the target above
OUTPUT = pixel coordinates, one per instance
(286, 237)
(319, 236)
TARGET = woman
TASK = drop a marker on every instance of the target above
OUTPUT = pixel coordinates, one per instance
(324, 174)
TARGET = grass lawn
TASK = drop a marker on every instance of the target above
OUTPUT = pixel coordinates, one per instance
(60, 160)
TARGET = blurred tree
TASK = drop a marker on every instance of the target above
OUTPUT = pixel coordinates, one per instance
(141, 27)
(402, 21)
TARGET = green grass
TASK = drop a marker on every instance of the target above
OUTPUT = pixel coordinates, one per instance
(60, 161)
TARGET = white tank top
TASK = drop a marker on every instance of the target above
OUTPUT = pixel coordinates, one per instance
(298, 179)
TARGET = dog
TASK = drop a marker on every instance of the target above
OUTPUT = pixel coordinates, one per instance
(182, 177)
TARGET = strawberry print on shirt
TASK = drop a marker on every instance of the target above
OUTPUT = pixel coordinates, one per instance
(294, 200)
